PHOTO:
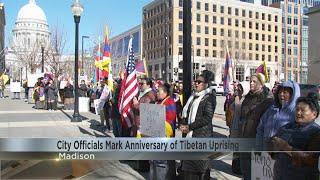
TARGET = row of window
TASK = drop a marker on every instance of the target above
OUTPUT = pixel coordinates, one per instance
(233, 11)
(32, 25)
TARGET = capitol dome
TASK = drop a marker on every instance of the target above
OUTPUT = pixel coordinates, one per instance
(31, 11)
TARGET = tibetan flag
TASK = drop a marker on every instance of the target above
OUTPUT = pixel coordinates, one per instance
(263, 69)
(107, 66)
(98, 61)
(227, 76)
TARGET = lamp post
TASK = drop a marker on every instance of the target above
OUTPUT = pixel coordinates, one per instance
(42, 58)
(82, 67)
(77, 9)
(165, 73)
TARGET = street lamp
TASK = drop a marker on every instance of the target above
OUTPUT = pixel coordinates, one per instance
(82, 68)
(42, 58)
(76, 9)
(165, 73)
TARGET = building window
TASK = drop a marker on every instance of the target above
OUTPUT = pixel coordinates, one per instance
(214, 31)
(180, 27)
(276, 58)
(221, 20)
(206, 41)
(296, 10)
(269, 48)
(263, 57)
(243, 24)
(257, 47)
(250, 24)
(257, 15)
(263, 47)
(243, 45)
(229, 33)
(295, 41)
(180, 15)
(295, 21)
(257, 36)
(243, 35)
(263, 16)
(276, 18)
(180, 39)
(269, 17)
(222, 43)
(276, 49)
(206, 18)
(237, 45)
(206, 6)
(229, 11)
(206, 53)
(198, 17)
(269, 38)
(263, 37)
(276, 29)
(198, 52)
(240, 73)
(221, 32)
(257, 26)
(237, 23)
(250, 56)
(269, 58)
(263, 27)
(289, 40)
(295, 62)
(295, 31)
(289, 30)
(289, 9)
(198, 41)
(289, 20)
(289, 62)
(222, 9)
(221, 54)
(237, 34)
(214, 43)
(237, 12)
(229, 22)
(206, 30)
(250, 35)
(198, 29)
(198, 5)
(180, 3)
(214, 19)
(250, 46)
(214, 8)
(257, 57)
(214, 53)
(295, 51)
(269, 27)
(243, 13)
(250, 14)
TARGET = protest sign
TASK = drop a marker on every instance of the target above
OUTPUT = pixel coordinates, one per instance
(262, 166)
(96, 103)
(152, 120)
(33, 79)
(15, 87)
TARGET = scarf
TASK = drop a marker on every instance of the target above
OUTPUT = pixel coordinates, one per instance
(144, 93)
(193, 102)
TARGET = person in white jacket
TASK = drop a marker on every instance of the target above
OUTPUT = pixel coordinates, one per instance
(104, 108)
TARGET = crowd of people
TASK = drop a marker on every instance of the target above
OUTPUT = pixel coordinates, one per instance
(279, 120)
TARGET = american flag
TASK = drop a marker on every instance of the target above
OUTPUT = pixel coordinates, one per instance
(129, 88)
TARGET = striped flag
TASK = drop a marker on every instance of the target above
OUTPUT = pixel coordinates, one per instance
(227, 77)
(129, 88)
(107, 69)
(98, 58)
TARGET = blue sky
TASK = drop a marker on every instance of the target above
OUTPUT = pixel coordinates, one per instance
(119, 15)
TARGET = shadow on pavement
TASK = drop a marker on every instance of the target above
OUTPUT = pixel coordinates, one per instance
(224, 167)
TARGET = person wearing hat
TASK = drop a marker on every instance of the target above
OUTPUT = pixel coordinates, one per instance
(298, 140)
(254, 105)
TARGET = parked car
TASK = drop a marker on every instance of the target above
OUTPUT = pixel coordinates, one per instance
(305, 89)
(218, 88)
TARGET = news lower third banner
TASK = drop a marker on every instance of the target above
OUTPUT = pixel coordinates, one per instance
(121, 148)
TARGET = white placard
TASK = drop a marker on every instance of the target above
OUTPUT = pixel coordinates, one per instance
(96, 103)
(262, 166)
(152, 120)
(84, 104)
(33, 79)
(63, 84)
(15, 87)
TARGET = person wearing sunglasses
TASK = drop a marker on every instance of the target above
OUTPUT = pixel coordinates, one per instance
(197, 116)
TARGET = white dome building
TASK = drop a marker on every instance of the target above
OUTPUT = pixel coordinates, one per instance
(31, 26)
(31, 31)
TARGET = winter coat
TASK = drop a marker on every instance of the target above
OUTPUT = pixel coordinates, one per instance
(83, 90)
(68, 92)
(51, 92)
(147, 98)
(301, 165)
(235, 112)
(253, 107)
(277, 116)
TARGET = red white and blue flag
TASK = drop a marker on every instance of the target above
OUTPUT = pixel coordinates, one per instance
(227, 77)
(129, 88)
